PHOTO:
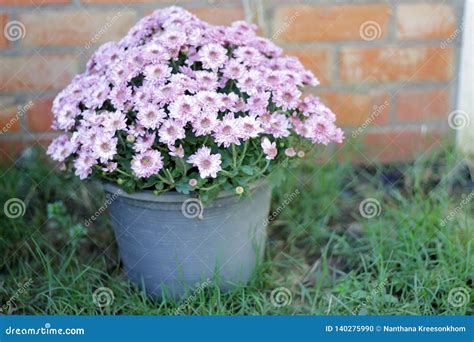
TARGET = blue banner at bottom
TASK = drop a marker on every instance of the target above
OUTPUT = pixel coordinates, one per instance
(240, 328)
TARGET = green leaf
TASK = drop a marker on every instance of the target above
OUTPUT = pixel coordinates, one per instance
(248, 170)
(183, 187)
(276, 177)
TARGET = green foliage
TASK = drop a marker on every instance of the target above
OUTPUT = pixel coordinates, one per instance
(330, 258)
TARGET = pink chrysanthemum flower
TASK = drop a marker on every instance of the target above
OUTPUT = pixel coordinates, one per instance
(212, 56)
(106, 147)
(249, 127)
(83, 164)
(208, 164)
(115, 121)
(150, 116)
(227, 131)
(184, 109)
(206, 80)
(144, 143)
(157, 73)
(205, 123)
(147, 163)
(287, 97)
(176, 151)
(277, 125)
(234, 69)
(175, 82)
(60, 148)
(170, 131)
(209, 100)
(269, 148)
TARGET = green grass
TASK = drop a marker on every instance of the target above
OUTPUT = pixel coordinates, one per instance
(331, 259)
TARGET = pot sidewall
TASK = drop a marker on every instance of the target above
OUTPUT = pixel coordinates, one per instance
(172, 244)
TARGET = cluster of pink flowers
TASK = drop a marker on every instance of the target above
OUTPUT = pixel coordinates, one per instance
(174, 78)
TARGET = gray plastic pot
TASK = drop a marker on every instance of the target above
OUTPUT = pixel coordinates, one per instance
(171, 243)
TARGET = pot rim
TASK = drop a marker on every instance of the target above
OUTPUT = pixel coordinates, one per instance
(169, 196)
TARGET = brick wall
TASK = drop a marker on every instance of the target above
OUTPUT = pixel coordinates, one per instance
(387, 68)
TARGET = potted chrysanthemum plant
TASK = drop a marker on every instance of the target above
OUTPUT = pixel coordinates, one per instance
(184, 122)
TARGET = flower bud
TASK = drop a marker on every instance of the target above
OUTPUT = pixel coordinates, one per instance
(239, 190)
(130, 138)
(290, 152)
(193, 182)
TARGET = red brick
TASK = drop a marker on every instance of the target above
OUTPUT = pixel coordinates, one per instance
(425, 21)
(40, 116)
(330, 23)
(316, 60)
(35, 3)
(59, 28)
(395, 146)
(4, 42)
(9, 120)
(37, 72)
(9, 150)
(396, 64)
(423, 105)
(219, 15)
(354, 109)
(125, 2)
